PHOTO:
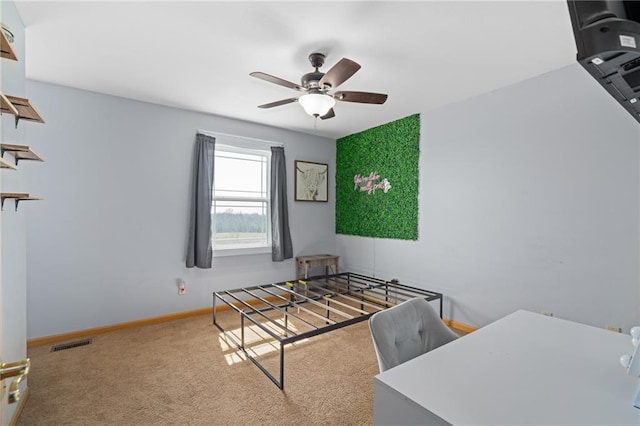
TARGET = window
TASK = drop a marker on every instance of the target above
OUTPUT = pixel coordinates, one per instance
(240, 212)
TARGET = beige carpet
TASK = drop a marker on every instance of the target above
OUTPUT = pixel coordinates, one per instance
(183, 372)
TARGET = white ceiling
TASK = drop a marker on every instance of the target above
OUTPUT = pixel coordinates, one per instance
(198, 55)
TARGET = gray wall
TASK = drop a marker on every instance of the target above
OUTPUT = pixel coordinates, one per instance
(529, 198)
(13, 284)
(107, 244)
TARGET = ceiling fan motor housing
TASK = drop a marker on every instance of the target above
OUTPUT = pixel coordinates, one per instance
(311, 79)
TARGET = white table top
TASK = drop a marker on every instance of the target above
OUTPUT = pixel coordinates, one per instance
(525, 368)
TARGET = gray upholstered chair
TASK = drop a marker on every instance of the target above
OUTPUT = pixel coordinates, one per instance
(407, 330)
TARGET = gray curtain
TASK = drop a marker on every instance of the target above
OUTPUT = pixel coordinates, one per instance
(200, 250)
(281, 247)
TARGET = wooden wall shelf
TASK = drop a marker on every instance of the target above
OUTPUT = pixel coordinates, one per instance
(19, 152)
(4, 164)
(17, 197)
(6, 107)
(20, 107)
(6, 51)
(22, 110)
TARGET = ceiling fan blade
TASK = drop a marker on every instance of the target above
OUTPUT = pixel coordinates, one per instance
(276, 80)
(339, 73)
(361, 97)
(278, 103)
(330, 114)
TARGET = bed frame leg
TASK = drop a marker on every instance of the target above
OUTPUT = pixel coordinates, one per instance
(286, 317)
(327, 299)
(281, 384)
(214, 309)
(242, 331)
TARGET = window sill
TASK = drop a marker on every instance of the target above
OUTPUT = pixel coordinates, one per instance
(241, 251)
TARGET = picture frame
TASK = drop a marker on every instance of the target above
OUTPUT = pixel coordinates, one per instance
(311, 181)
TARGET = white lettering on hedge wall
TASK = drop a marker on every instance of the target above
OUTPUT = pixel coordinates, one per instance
(371, 183)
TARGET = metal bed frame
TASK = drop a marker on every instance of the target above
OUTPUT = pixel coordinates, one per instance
(328, 302)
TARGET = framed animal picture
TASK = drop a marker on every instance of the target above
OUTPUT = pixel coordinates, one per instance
(311, 181)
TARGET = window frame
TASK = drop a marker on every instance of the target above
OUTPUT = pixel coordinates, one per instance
(243, 147)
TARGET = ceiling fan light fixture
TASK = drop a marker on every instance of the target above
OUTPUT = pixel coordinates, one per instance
(316, 104)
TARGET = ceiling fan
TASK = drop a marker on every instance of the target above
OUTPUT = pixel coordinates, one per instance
(317, 100)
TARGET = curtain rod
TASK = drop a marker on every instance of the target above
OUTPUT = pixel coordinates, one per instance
(210, 133)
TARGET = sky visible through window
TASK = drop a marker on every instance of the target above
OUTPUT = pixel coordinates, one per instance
(240, 176)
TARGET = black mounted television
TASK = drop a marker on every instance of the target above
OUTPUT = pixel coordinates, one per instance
(607, 37)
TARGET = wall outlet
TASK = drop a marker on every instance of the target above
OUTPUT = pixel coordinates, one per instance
(182, 288)
(614, 328)
(549, 314)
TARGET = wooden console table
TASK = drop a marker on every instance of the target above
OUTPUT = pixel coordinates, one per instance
(304, 263)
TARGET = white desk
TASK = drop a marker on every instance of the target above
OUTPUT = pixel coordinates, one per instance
(525, 368)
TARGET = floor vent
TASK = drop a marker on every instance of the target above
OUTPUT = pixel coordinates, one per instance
(63, 346)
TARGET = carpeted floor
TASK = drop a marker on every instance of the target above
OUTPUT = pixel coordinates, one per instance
(183, 372)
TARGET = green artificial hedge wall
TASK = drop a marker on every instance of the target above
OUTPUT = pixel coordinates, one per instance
(363, 207)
